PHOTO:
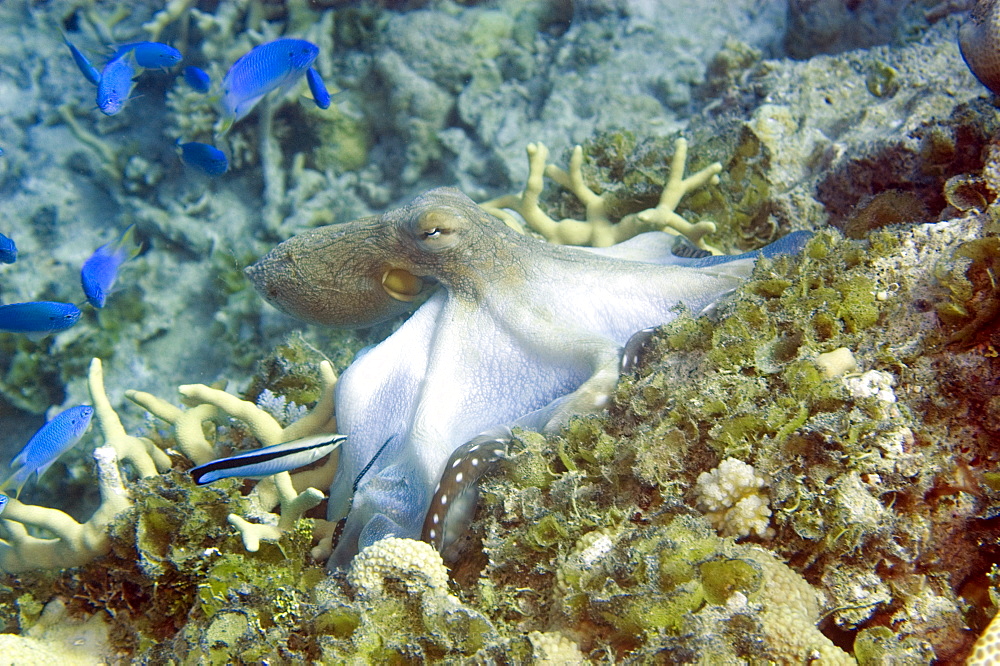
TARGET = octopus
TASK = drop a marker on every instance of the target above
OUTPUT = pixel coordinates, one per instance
(979, 41)
(514, 332)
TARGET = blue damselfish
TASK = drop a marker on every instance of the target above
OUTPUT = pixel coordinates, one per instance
(51, 441)
(8, 250)
(37, 317)
(197, 78)
(204, 157)
(318, 89)
(100, 270)
(115, 84)
(275, 65)
(151, 55)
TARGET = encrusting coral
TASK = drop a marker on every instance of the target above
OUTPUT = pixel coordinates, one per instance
(553, 649)
(597, 229)
(416, 564)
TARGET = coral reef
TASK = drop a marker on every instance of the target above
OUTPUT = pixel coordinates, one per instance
(859, 380)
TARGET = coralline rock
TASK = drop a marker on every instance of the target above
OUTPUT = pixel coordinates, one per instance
(55, 639)
(832, 26)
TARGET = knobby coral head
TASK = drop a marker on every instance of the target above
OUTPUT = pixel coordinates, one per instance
(366, 271)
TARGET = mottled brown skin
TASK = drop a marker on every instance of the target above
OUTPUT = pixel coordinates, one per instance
(979, 42)
(364, 272)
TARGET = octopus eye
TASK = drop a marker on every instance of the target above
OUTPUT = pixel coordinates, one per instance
(436, 230)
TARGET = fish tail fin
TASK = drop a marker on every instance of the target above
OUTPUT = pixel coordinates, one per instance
(38, 472)
(128, 245)
(17, 477)
(223, 126)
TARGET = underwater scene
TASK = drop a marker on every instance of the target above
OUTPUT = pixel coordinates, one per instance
(500, 332)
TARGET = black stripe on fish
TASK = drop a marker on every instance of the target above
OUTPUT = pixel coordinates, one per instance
(260, 456)
(371, 462)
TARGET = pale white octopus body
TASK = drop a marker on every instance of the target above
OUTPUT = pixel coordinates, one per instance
(520, 333)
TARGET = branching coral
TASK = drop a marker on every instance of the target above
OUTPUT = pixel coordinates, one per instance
(208, 403)
(597, 229)
(72, 543)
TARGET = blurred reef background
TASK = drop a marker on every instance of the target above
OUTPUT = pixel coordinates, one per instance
(856, 383)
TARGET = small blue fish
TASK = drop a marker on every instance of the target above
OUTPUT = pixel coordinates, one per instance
(151, 55)
(197, 78)
(89, 71)
(115, 84)
(3, 502)
(37, 317)
(204, 157)
(318, 89)
(51, 441)
(275, 65)
(8, 250)
(268, 460)
(100, 271)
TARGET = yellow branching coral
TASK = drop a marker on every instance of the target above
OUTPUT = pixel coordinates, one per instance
(294, 494)
(36, 537)
(66, 542)
(597, 229)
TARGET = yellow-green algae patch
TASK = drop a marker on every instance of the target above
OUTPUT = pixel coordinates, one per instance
(861, 469)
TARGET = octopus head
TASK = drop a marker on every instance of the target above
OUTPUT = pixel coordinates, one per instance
(366, 271)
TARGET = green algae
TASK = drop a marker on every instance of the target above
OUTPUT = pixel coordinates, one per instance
(291, 370)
